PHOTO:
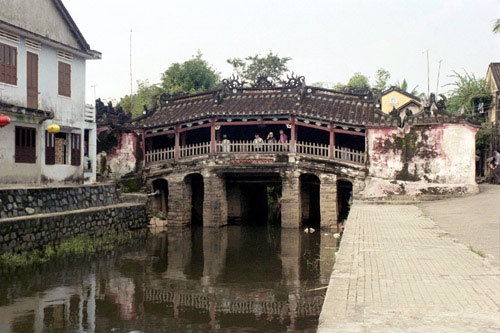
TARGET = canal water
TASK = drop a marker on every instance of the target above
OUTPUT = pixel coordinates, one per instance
(233, 279)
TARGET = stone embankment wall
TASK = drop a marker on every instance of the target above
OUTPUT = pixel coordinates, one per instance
(24, 202)
(27, 233)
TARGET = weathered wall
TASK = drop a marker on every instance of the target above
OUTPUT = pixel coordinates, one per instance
(436, 159)
(122, 159)
(27, 233)
(22, 202)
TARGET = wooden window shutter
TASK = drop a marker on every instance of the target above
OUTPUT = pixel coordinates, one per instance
(76, 150)
(50, 149)
(64, 79)
(25, 142)
(8, 64)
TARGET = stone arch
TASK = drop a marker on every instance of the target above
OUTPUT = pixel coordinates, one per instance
(194, 195)
(310, 200)
(345, 195)
(160, 200)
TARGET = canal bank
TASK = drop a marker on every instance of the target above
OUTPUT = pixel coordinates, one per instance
(37, 217)
(397, 271)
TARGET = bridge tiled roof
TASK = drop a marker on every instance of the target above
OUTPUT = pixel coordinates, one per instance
(235, 101)
(317, 104)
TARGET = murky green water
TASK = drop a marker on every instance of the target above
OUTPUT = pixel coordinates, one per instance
(234, 279)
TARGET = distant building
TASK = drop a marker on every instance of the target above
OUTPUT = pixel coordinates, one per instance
(395, 98)
(493, 84)
(42, 82)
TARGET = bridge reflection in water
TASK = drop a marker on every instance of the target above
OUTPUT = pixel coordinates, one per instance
(187, 279)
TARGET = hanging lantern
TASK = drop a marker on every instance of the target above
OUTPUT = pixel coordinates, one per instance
(53, 128)
(4, 120)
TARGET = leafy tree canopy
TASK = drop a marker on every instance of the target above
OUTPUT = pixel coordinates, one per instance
(465, 87)
(381, 78)
(143, 96)
(192, 76)
(252, 68)
(359, 81)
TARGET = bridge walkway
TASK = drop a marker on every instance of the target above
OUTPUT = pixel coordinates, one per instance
(396, 271)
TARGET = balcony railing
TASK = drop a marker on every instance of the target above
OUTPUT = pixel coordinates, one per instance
(242, 147)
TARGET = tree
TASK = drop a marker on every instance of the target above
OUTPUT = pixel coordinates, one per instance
(143, 96)
(381, 78)
(358, 81)
(465, 89)
(404, 86)
(252, 68)
(192, 76)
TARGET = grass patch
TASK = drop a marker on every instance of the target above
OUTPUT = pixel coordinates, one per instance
(478, 252)
(77, 246)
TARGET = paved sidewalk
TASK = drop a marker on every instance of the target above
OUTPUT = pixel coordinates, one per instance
(473, 220)
(396, 271)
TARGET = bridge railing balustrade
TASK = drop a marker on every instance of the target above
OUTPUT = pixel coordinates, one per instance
(195, 149)
(248, 146)
(311, 148)
(158, 155)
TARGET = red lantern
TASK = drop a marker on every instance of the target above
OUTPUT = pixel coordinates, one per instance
(4, 120)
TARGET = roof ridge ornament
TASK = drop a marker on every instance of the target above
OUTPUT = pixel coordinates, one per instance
(263, 82)
(294, 81)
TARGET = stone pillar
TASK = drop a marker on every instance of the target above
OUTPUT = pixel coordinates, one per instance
(179, 202)
(215, 200)
(290, 200)
(328, 200)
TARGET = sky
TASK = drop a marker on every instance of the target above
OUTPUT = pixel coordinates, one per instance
(328, 40)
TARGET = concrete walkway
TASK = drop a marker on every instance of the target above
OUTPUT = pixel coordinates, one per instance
(473, 220)
(396, 271)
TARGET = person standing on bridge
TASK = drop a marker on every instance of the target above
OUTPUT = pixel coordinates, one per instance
(257, 142)
(283, 139)
(225, 144)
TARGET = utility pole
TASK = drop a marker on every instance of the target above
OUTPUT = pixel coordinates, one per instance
(131, 88)
(95, 96)
(439, 71)
(428, 76)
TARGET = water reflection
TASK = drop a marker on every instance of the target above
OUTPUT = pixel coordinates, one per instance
(230, 279)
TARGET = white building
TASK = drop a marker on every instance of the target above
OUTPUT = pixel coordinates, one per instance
(42, 82)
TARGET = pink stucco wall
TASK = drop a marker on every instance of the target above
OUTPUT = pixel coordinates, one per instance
(122, 159)
(420, 160)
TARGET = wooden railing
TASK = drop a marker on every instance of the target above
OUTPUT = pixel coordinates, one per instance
(239, 147)
(194, 149)
(244, 146)
(347, 154)
(159, 155)
(315, 149)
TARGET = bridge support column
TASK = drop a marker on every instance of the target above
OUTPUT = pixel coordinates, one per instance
(290, 200)
(215, 201)
(179, 202)
(328, 200)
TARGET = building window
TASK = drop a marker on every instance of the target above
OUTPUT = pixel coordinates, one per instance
(76, 149)
(25, 145)
(64, 79)
(8, 64)
(50, 148)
